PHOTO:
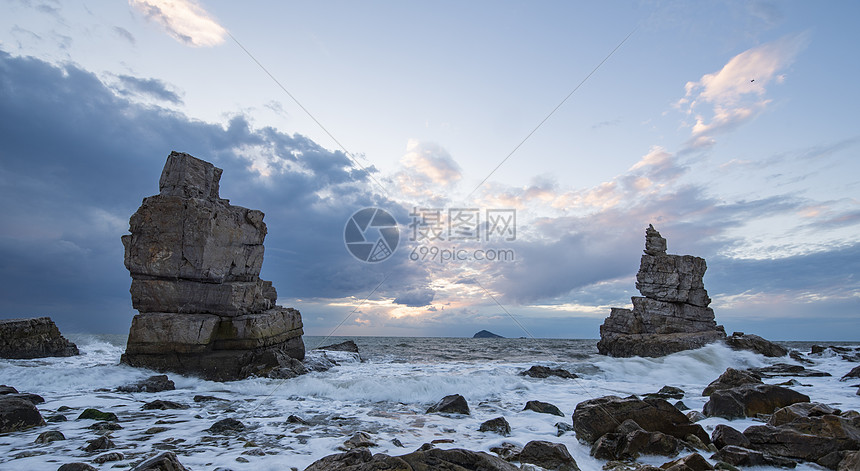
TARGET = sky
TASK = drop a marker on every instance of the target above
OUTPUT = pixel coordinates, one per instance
(730, 126)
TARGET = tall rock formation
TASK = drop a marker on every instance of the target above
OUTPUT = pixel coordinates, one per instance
(671, 315)
(195, 262)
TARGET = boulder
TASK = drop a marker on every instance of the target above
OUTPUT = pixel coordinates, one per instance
(854, 373)
(164, 461)
(596, 417)
(18, 414)
(359, 440)
(95, 414)
(155, 383)
(346, 346)
(33, 338)
(732, 378)
(629, 441)
(77, 467)
(671, 316)
(195, 262)
(807, 437)
(498, 425)
(786, 369)
(160, 404)
(850, 462)
(724, 435)
(749, 400)
(49, 436)
(108, 457)
(98, 444)
(226, 426)
(789, 414)
(543, 408)
(740, 456)
(548, 455)
(538, 371)
(425, 458)
(453, 404)
(754, 343)
(667, 392)
(694, 462)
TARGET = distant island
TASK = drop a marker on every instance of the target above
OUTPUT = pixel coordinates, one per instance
(486, 334)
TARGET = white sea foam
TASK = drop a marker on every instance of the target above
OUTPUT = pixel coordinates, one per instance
(387, 395)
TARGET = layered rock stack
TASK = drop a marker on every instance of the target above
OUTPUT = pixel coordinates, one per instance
(33, 338)
(671, 315)
(195, 263)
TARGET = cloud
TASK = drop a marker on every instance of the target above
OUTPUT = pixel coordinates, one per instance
(124, 34)
(184, 20)
(416, 297)
(150, 87)
(735, 93)
(428, 170)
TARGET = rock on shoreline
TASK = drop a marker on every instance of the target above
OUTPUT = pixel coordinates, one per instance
(33, 338)
(195, 262)
(673, 313)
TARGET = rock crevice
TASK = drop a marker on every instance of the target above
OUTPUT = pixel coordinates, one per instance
(195, 263)
(671, 315)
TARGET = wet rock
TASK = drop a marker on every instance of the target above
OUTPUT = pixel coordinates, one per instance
(507, 451)
(453, 404)
(155, 383)
(789, 414)
(695, 416)
(562, 428)
(548, 455)
(754, 343)
(56, 418)
(629, 441)
(424, 458)
(226, 426)
(739, 456)
(49, 436)
(33, 338)
(359, 440)
(105, 426)
(76, 467)
(694, 462)
(95, 414)
(731, 378)
(201, 398)
(4, 390)
(543, 408)
(749, 400)
(806, 438)
(347, 346)
(785, 369)
(596, 417)
(668, 392)
(195, 262)
(101, 443)
(108, 457)
(725, 435)
(164, 461)
(850, 462)
(498, 425)
(538, 371)
(34, 398)
(672, 315)
(854, 373)
(798, 357)
(681, 406)
(18, 414)
(159, 404)
(396, 442)
(294, 419)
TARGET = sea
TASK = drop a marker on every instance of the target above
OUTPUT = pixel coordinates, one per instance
(384, 391)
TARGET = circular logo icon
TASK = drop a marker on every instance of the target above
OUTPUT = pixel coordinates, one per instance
(371, 235)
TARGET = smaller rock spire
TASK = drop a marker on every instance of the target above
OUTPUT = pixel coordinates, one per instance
(654, 243)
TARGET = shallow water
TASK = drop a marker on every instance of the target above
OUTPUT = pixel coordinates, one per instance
(385, 395)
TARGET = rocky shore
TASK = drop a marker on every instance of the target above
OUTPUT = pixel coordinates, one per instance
(33, 338)
(146, 426)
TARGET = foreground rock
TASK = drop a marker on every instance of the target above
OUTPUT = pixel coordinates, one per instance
(422, 459)
(164, 461)
(731, 378)
(807, 431)
(750, 400)
(539, 371)
(671, 316)
(453, 404)
(754, 343)
(17, 414)
(596, 417)
(548, 455)
(195, 263)
(33, 338)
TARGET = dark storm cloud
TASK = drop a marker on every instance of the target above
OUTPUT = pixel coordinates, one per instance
(77, 160)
